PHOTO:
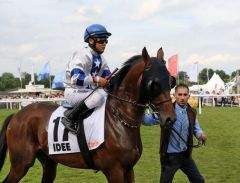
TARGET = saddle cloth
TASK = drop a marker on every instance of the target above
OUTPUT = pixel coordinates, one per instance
(61, 141)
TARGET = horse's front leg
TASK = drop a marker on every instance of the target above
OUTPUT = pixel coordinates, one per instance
(115, 175)
(129, 176)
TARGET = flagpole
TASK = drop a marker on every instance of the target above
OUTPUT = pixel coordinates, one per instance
(50, 82)
(21, 82)
(50, 76)
(20, 74)
(199, 99)
(197, 77)
(32, 75)
(178, 69)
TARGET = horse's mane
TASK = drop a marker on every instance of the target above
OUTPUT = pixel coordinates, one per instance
(117, 79)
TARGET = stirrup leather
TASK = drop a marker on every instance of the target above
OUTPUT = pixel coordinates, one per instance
(69, 125)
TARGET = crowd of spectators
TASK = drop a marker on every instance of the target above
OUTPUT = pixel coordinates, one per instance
(8, 100)
(215, 99)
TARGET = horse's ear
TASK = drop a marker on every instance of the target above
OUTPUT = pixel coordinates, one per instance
(160, 54)
(146, 58)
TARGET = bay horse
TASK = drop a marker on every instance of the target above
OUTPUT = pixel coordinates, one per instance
(141, 81)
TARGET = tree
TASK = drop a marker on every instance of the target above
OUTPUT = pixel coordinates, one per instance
(210, 73)
(204, 75)
(234, 73)
(45, 82)
(183, 77)
(8, 81)
(26, 79)
(225, 77)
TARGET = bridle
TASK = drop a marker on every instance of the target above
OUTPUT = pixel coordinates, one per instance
(117, 114)
(134, 103)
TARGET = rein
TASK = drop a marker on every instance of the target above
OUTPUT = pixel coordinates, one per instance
(119, 117)
(199, 144)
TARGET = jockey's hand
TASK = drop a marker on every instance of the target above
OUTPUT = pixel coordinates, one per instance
(100, 81)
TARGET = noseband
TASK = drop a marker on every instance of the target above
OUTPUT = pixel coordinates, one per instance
(161, 102)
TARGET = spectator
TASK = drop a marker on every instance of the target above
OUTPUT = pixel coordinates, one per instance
(175, 151)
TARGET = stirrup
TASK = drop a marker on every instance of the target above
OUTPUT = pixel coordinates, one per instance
(68, 124)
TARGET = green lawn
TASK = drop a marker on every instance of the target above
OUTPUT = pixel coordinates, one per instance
(218, 161)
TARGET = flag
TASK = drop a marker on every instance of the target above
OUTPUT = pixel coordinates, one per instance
(58, 80)
(173, 65)
(45, 72)
(193, 72)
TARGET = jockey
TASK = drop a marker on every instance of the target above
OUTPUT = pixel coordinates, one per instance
(86, 70)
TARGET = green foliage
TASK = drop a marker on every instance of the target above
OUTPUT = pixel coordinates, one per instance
(218, 161)
(8, 81)
(204, 75)
(183, 77)
(225, 77)
(26, 78)
(234, 73)
(44, 82)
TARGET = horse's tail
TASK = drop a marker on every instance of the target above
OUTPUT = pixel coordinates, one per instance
(3, 140)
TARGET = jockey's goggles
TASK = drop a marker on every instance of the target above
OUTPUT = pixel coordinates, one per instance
(101, 40)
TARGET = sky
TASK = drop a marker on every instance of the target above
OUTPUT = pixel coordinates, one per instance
(36, 31)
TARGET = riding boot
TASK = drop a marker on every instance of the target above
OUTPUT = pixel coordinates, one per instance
(73, 115)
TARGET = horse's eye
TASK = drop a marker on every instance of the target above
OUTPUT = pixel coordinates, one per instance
(154, 85)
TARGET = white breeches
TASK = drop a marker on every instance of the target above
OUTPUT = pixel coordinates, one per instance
(75, 96)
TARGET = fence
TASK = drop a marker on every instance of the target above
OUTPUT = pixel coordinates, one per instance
(19, 103)
(208, 100)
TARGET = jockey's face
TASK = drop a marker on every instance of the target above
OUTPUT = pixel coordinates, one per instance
(182, 96)
(100, 44)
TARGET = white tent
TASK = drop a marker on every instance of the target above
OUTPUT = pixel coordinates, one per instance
(215, 83)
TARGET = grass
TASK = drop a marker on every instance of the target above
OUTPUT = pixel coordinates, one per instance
(218, 161)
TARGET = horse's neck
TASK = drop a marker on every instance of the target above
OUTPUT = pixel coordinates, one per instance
(125, 103)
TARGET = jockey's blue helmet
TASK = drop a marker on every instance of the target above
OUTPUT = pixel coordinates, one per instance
(96, 30)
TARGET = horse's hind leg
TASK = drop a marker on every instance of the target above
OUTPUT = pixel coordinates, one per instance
(49, 168)
(19, 167)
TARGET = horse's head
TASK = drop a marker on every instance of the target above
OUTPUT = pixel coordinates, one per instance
(155, 86)
(143, 80)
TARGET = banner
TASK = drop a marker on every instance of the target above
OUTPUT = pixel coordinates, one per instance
(173, 65)
(58, 80)
(193, 72)
(45, 72)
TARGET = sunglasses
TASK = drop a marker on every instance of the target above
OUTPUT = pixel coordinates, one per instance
(101, 40)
